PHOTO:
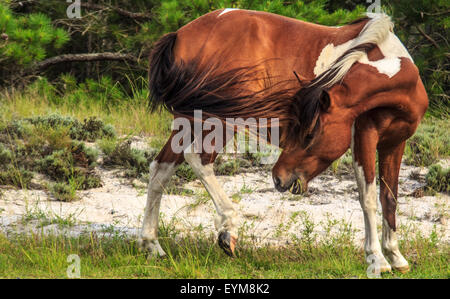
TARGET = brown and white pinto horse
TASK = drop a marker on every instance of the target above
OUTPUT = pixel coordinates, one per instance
(359, 88)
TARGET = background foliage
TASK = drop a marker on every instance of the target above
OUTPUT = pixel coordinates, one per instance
(34, 30)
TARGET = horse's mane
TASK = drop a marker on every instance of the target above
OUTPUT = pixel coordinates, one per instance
(313, 96)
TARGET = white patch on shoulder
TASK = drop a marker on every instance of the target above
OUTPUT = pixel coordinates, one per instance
(227, 10)
(387, 66)
(392, 49)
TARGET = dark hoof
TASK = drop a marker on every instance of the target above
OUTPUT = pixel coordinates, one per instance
(227, 242)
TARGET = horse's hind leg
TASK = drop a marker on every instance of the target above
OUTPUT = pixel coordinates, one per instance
(225, 222)
(389, 160)
(161, 170)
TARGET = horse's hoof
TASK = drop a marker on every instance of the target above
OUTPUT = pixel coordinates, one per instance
(227, 242)
(151, 248)
(403, 269)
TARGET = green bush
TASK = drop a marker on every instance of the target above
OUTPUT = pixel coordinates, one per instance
(135, 161)
(185, 172)
(230, 167)
(438, 178)
(15, 129)
(63, 192)
(107, 145)
(5, 155)
(90, 129)
(44, 145)
(13, 176)
(58, 165)
(83, 156)
(430, 143)
(64, 166)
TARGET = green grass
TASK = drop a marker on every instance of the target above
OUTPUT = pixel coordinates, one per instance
(438, 178)
(130, 116)
(115, 256)
(430, 143)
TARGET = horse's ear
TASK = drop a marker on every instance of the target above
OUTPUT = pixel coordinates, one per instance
(324, 101)
(301, 80)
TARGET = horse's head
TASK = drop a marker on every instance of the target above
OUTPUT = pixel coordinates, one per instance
(318, 135)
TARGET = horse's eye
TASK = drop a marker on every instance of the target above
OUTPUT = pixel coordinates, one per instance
(308, 138)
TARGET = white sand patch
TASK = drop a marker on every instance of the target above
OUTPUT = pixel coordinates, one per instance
(264, 213)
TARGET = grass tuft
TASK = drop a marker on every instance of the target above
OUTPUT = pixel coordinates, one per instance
(438, 179)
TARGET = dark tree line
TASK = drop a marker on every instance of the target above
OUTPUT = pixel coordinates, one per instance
(113, 37)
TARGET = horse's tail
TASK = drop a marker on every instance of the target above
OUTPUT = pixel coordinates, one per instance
(182, 87)
(161, 65)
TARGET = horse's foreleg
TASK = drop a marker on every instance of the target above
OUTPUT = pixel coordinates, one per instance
(226, 219)
(364, 144)
(161, 170)
(389, 161)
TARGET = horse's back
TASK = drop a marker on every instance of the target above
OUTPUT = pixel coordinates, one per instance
(244, 35)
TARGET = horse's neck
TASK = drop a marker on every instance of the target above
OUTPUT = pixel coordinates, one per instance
(364, 89)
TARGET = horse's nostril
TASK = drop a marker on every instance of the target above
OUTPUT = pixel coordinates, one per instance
(278, 186)
(276, 181)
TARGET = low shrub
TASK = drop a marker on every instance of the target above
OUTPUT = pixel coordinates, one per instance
(135, 161)
(46, 145)
(90, 129)
(18, 177)
(430, 143)
(63, 192)
(438, 178)
(185, 172)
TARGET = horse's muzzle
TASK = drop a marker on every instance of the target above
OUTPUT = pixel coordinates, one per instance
(295, 186)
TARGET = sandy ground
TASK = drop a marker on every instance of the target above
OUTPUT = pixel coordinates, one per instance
(264, 214)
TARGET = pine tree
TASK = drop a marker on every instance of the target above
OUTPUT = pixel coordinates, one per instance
(131, 27)
(26, 39)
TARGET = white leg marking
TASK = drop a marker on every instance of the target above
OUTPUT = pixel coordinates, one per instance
(160, 174)
(390, 248)
(368, 201)
(226, 219)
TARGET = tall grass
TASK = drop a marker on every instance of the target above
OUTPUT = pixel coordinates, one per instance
(126, 111)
